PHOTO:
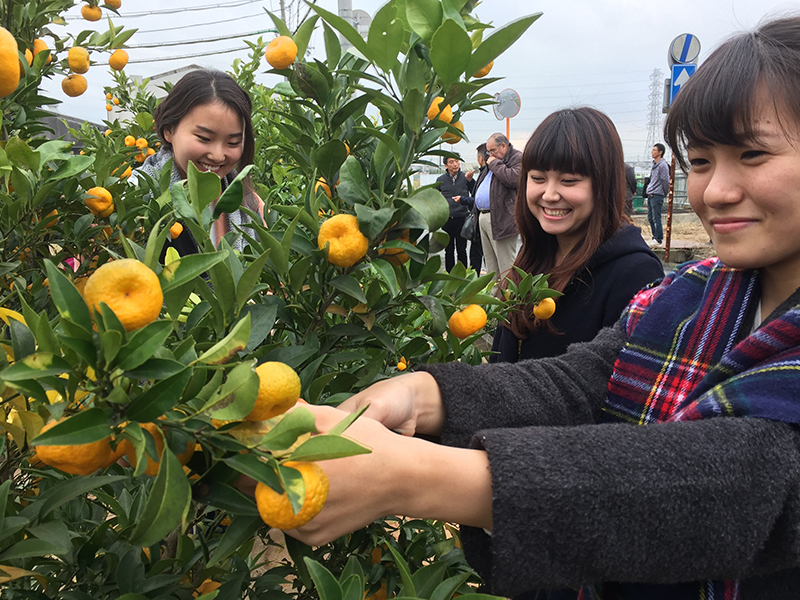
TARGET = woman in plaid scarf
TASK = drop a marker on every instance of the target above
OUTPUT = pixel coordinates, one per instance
(662, 459)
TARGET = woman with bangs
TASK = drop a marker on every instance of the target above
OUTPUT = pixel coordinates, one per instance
(571, 218)
(661, 460)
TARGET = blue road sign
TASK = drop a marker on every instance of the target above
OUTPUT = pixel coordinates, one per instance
(680, 75)
(684, 49)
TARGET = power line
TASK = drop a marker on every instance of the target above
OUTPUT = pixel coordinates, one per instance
(216, 22)
(163, 58)
(172, 11)
(201, 40)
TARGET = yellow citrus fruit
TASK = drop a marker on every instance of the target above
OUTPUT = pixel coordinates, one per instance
(463, 323)
(109, 108)
(50, 218)
(29, 57)
(108, 96)
(80, 284)
(139, 158)
(91, 13)
(115, 101)
(126, 173)
(347, 148)
(276, 510)
(150, 152)
(453, 138)
(107, 133)
(99, 200)
(9, 63)
(401, 366)
(484, 71)
(130, 288)
(79, 459)
(281, 52)
(78, 59)
(39, 45)
(396, 256)
(347, 244)
(437, 111)
(206, 587)
(379, 595)
(118, 60)
(325, 187)
(175, 230)
(544, 309)
(158, 437)
(115, 4)
(141, 143)
(74, 85)
(130, 140)
(278, 390)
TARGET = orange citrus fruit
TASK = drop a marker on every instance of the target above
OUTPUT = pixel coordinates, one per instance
(276, 510)
(396, 256)
(347, 244)
(91, 13)
(39, 45)
(463, 323)
(115, 4)
(175, 230)
(437, 111)
(109, 108)
(74, 85)
(206, 587)
(118, 60)
(278, 390)
(130, 140)
(115, 101)
(141, 143)
(158, 437)
(325, 187)
(281, 52)
(544, 309)
(99, 201)
(78, 459)
(9, 63)
(453, 138)
(130, 288)
(78, 59)
(484, 71)
(50, 218)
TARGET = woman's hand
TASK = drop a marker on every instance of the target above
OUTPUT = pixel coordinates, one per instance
(407, 404)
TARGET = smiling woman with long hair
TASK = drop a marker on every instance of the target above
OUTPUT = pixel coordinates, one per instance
(570, 215)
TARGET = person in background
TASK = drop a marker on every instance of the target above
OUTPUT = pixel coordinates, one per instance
(499, 235)
(570, 214)
(206, 120)
(453, 186)
(630, 188)
(661, 460)
(657, 189)
(476, 247)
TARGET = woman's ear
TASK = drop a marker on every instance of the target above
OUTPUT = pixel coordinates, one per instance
(168, 136)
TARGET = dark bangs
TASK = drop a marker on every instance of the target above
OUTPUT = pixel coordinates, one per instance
(718, 105)
(558, 145)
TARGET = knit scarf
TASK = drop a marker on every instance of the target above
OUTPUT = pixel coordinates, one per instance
(680, 362)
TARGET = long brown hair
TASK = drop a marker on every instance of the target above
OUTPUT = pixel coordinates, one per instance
(582, 141)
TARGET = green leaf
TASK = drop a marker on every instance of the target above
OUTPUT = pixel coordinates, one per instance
(414, 108)
(233, 195)
(167, 503)
(328, 159)
(64, 492)
(73, 167)
(248, 280)
(303, 35)
(229, 346)
(450, 52)
(282, 28)
(372, 222)
(293, 424)
(186, 269)
(324, 581)
(19, 153)
(263, 318)
(204, 187)
(499, 42)
(255, 468)
(349, 285)
(231, 500)
(69, 302)
(346, 29)
(22, 341)
(405, 575)
(432, 206)
(237, 396)
(473, 287)
(238, 533)
(277, 256)
(85, 427)
(424, 17)
(386, 272)
(438, 314)
(35, 366)
(292, 211)
(385, 38)
(333, 48)
(30, 548)
(353, 184)
(156, 368)
(155, 242)
(143, 344)
(159, 398)
(325, 447)
(446, 589)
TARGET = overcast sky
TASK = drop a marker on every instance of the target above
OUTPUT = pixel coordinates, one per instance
(600, 53)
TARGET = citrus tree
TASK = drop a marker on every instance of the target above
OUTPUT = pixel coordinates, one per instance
(133, 392)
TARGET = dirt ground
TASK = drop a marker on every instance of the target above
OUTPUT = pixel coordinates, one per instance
(687, 233)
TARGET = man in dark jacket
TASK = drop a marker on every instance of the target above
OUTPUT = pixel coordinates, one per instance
(499, 233)
(475, 246)
(453, 185)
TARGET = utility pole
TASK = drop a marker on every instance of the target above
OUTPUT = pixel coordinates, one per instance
(283, 11)
(654, 114)
(346, 12)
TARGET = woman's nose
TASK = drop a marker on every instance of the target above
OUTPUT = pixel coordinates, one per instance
(724, 185)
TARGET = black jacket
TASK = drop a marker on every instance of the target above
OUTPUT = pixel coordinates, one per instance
(594, 298)
(449, 188)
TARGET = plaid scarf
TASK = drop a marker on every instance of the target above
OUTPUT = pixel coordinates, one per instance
(680, 362)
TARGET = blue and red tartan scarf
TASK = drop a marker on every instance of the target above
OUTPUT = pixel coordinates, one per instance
(681, 363)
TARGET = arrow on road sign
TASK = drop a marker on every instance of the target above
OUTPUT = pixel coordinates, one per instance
(680, 75)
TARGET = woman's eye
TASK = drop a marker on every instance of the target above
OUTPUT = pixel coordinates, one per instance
(202, 138)
(750, 154)
(697, 162)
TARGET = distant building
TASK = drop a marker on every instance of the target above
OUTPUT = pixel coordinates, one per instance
(59, 123)
(155, 85)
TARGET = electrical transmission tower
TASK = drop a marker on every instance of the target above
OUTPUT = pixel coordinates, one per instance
(655, 118)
